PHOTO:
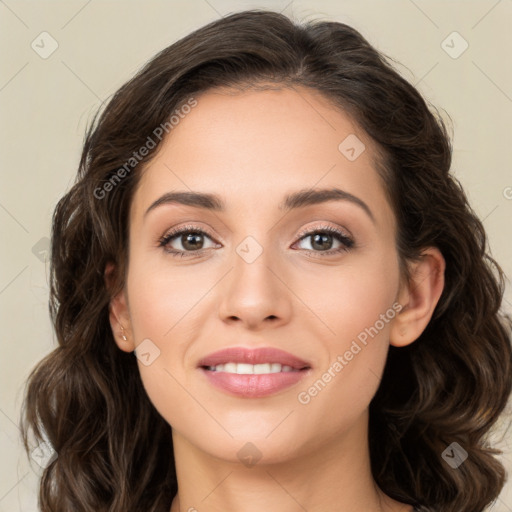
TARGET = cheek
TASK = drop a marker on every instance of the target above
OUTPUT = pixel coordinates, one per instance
(351, 297)
(167, 306)
(160, 306)
(356, 304)
(161, 299)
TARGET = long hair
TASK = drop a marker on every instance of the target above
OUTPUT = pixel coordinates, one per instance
(114, 450)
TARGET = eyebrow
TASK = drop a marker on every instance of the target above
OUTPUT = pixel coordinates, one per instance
(298, 199)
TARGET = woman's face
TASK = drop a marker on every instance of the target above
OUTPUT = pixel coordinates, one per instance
(252, 274)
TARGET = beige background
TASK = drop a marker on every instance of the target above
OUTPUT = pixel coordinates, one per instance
(46, 102)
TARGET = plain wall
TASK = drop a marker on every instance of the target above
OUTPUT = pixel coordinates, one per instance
(45, 104)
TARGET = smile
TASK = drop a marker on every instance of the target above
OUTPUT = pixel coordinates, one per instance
(253, 373)
(250, 369)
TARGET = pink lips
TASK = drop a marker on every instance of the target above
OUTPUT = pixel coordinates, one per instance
(254, 356)
(253, 385)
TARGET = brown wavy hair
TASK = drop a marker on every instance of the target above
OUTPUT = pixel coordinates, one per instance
(114, 450)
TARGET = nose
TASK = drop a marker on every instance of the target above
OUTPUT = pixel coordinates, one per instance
(255, 294)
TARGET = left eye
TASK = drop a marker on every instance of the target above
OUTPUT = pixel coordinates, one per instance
(322, 237)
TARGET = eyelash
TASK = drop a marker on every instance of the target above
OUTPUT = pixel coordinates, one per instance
(347, 242)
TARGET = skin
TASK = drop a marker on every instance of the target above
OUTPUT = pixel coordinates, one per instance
(252, 148)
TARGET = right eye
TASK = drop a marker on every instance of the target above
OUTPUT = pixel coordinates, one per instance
(190, 238)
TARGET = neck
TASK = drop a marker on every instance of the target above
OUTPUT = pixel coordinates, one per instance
(335, 477)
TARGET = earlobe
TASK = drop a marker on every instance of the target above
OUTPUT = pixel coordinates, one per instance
(120, 323)
(119, 316)
(418, 298)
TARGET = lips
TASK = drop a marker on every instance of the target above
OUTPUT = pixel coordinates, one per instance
(229, 370)
(255, 356)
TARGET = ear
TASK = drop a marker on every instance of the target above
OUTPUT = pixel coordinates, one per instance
(119, 315)
(418, 298)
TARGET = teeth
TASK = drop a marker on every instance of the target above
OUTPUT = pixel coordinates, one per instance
(228, 367)
(243, 368)
(248, 369)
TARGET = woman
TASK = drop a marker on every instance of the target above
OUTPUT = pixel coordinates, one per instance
(264, 216)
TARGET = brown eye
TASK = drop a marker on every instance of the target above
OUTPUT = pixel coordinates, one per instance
(185, 240)
(192, 241)
(323, 239)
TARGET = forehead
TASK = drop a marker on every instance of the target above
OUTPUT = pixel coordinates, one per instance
(253, 147)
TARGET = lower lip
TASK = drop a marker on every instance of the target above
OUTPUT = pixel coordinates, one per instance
(254, 385)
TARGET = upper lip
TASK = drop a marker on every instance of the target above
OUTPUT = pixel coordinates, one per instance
(253, 356)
